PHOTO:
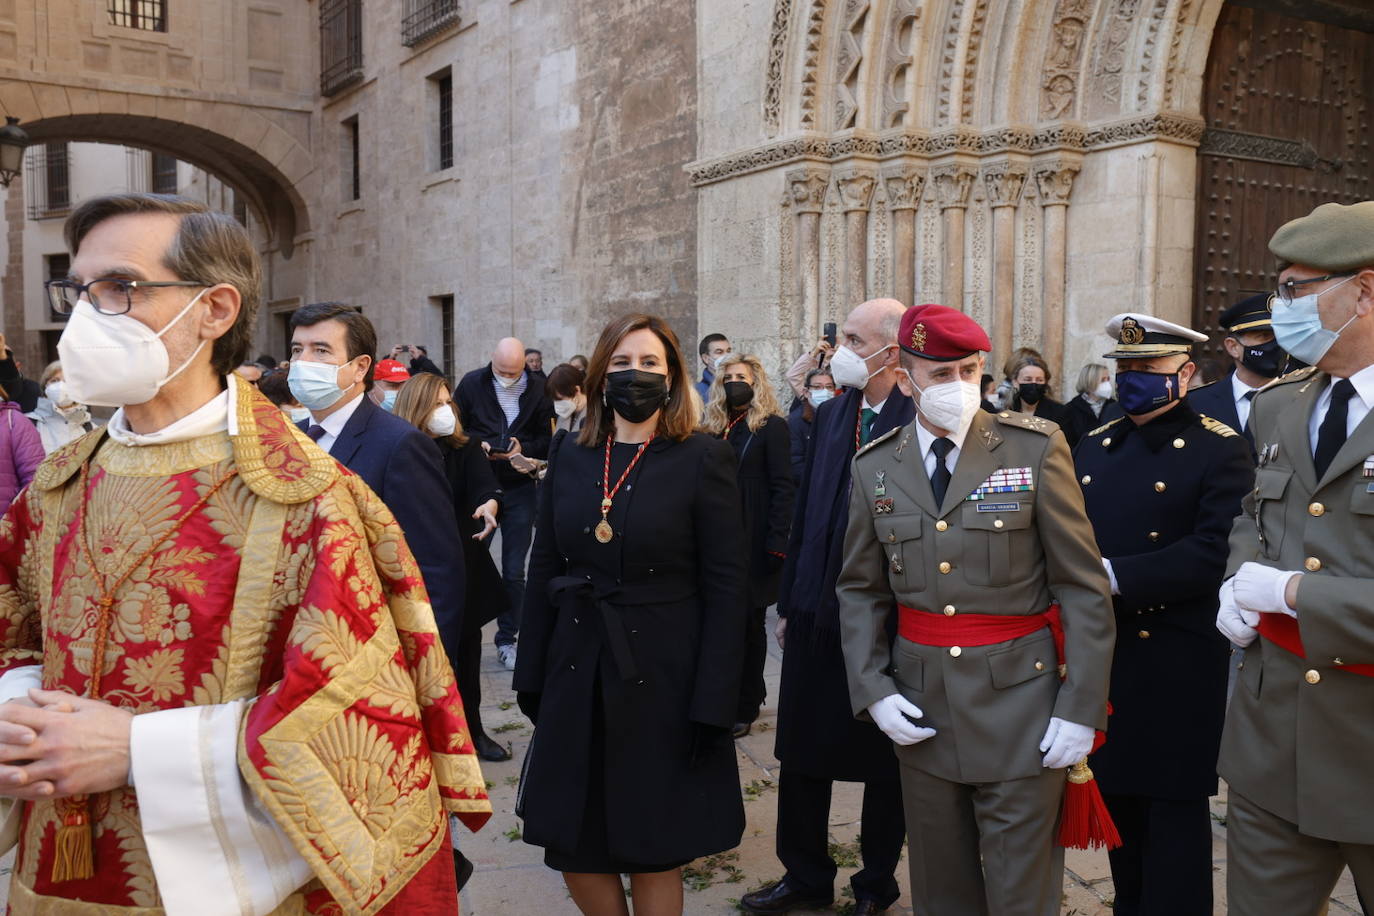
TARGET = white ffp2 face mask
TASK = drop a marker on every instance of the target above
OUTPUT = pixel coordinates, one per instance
(443, 421)
(116, 360)
(850, 370)
(949, 405)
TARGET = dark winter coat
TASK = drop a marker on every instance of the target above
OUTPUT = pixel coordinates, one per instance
(817, 731)
(646, 632)
(1079, 419)
(473, 483)
(766, 490)
(483, 419)
(1162, 498)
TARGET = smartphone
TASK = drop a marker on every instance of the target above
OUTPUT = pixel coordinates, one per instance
(829, 333)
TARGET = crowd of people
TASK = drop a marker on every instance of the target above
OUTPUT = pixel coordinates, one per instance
(241, 620)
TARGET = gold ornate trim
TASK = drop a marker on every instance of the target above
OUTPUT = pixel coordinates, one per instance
(249, 618)
(164, 460)
(275, 459)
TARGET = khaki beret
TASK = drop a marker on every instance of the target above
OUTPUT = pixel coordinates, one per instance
(1331, 237)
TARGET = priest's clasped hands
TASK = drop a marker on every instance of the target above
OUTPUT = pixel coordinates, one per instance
(54, 744)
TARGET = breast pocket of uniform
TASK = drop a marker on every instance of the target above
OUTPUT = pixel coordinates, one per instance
(998, 538)
(1270, 485)
(908, 668)
(900, 537)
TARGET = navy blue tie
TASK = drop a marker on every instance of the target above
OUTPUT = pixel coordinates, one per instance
(315, 432)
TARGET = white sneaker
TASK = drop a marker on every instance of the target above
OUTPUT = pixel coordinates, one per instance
(507, 656)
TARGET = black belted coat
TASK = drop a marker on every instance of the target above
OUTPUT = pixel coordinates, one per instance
(646, 633)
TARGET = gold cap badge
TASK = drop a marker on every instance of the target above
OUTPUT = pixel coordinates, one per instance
(1131, 332)
(918, 337)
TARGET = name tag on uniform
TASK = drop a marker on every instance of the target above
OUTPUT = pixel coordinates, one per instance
(1000, 507)
(1006, 480)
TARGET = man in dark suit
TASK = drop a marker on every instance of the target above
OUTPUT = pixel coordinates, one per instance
(1258, 360)
(818, 738)
(505, 407)
(331, 370)
(1162, 487)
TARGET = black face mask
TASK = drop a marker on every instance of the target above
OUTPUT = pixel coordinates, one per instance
(1265, 360)
(635, 394)
(1031, 392)
(738, 394)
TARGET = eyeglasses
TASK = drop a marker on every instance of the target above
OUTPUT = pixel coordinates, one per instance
(1288, 289)
(109, 297)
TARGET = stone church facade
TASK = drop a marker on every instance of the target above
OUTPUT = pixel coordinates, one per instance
(466, 169)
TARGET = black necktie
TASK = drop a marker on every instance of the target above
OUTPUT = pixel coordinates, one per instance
(1245, 427)
(939, 481)
(315, 431)
(1331, 434)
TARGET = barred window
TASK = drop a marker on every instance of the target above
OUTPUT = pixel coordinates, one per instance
(421, 19)
(445, 304)
(353, 174)
(164, 174)
(149, 15)
(444, 84)
(49, 180)
(341, 44)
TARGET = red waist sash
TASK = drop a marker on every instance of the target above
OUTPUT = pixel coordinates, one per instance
(1283, 631)
(976, 629)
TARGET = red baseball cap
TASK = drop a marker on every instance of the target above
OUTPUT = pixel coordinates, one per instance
(388, 370)
(941, 333)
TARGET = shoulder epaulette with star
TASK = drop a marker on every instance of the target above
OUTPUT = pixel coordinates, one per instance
(1297, 375)
(1105, 426)
(883, 438)
(1216, 426)
(1027, 421)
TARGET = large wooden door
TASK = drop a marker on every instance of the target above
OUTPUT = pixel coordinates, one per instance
(1287, 103)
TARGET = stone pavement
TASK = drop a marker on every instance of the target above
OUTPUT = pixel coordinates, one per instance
(511, 880)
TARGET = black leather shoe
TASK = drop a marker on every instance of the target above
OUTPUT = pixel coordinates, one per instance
(782, 897)
(488, 749)
(868, 907)
(741, 729)
(462, 868)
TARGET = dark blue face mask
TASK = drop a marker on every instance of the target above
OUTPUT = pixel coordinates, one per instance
(1141, 392)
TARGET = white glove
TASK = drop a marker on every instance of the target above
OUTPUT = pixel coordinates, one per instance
(888, 715)
(1111, 577)
(1066, 743)
(1235, 623)
(1260, 588)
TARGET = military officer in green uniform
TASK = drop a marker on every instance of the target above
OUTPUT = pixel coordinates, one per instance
(973, 525)
(1299, 738)
(1162, 486)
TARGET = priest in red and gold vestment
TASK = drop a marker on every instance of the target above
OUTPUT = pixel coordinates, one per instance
(223, 687)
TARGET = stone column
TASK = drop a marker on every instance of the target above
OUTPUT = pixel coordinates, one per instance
(1055, 182)
(904, 186)
(856, 193)
(807, 187)
(952, 186)
(1004, 182)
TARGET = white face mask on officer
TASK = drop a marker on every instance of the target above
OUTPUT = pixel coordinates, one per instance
(850, 370)
(117, 360)
(949, 405)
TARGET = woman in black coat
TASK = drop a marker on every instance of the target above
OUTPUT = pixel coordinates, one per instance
(426, 402)
(742, 409)
(632, 638)
(1030, 377)
(1092, 405)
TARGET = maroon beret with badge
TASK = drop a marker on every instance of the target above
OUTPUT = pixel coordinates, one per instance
(941, 333)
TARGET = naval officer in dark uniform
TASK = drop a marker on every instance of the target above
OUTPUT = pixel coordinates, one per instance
(1162, 486)
(1258, 360)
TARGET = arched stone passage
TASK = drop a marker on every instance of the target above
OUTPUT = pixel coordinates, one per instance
(261, 159)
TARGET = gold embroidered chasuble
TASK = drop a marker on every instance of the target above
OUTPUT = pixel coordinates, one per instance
(292, 589)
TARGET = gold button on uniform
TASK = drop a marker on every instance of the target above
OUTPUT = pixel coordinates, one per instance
(1154, 535)
(945, 567)
(942, 525)
(1179, 443)
(1087, 479)
(1160, 486)
(1144, 634)
(1313, 676)
(1106, 442)
(1316, 510)
(955, 651)
(949, 610)
(1312, 564)
(892, 537)
(998, 524)
(1039, 665)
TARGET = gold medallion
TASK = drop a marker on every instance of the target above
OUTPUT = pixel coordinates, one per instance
(603, 531)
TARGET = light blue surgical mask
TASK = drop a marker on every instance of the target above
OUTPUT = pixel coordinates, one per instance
(819, 396)
(300, 414)
(389, 401)
(1298, 326)
(315, 385)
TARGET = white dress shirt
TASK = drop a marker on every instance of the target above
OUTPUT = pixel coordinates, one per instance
(925, 439)
(1239, 390)
(1356, 409)
(335, 422)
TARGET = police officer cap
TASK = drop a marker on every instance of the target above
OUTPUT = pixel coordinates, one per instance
(1332, 237)
(1145, 336)
(941, 333)
(1249, 314)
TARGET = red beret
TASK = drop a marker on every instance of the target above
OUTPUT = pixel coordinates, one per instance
(388, 370)
(941, 333)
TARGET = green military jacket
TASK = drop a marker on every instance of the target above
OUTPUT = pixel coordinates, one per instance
(1299, 739)
(1012, 552)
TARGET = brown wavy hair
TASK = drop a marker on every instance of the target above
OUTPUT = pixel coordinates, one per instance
(678, 418)
(415, 404)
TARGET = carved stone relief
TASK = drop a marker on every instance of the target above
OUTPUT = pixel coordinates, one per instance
(1027, 325)
(1004, 184)
(880, 281)
(807, 187)
(929, 283)
(949, 51)
(952, 186)
(903, 185)
(897, 60)
(1110, 66)
(811, 63)
(980, 254)
(856, 189)
(1149, 52)
(1055, 182)
(848, 59)
(1185, 10)
(1064, 59)
(975, 43)
(777, 52)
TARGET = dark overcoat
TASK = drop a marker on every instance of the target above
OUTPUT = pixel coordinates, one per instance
(766, 491)
(817, 732)
(473, 482)
(1162, 498)
(646, 632)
